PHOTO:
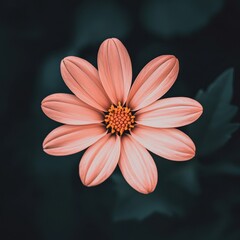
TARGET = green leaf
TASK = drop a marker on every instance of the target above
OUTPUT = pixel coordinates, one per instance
(214, 128)
(168, 18)
(178, 185)
(132, 205)
(227, 163)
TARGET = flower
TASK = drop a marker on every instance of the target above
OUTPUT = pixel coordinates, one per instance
(117, 122)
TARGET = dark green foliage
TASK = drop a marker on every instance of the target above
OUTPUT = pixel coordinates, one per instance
(214, 128)
(177, 187)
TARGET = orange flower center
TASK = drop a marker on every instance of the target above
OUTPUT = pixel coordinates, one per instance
(119, 119)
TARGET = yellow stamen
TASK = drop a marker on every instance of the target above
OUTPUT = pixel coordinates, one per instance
(119, 119)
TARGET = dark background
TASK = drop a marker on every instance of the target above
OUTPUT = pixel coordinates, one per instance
(42, 196)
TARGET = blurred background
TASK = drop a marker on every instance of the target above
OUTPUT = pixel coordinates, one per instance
(42, 196)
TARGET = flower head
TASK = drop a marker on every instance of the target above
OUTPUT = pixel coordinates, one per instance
(117, 122)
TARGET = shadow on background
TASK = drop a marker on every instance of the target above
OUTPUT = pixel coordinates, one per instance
(42, 196)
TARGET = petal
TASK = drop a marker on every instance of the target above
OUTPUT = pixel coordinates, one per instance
(137, 166)
(83, 80)
(115, 70)
(67, 139)
(68, 109)
(100, 160)
(170, 112)
(171, 143)
(155, 79)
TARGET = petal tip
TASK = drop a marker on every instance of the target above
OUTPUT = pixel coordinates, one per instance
(111, 39)
(67, 60)
(200, 108)
(45, 146)
(43, 102)
(174, 61)
(45, 149)
(191, 153)
(190, 157)
(171, 57)
(82, 174)
(86, 181)
(148, 190)
(63, 64)
(43, 105)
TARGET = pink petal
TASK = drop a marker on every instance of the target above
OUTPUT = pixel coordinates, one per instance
(100, 160)
(155, 79)
(170, 112)
(115, 70)
(137, 166)
(83, 80)
(68, 109)
(170, 143)
(67, 139)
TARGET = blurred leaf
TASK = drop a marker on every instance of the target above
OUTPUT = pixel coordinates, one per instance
(170, 18)
(177, 186)
(224, 169)
(133, 205)
(214, 128)
(227, 162)
(97, 20)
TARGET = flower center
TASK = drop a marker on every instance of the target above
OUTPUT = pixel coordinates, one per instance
(119, 119)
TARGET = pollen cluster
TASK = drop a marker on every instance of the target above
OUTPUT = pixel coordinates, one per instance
(119, 119)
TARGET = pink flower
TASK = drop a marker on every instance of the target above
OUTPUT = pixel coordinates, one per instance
(117, 122)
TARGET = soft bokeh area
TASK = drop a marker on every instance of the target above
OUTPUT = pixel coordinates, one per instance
(42, 197)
